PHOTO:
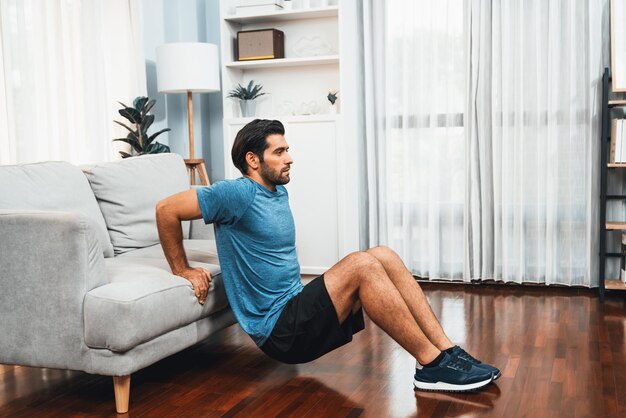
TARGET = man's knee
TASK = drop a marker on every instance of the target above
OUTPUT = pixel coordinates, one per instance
(382, 252)
(362, 263)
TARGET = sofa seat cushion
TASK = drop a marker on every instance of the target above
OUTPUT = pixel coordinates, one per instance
(200, 250)
(143, 301)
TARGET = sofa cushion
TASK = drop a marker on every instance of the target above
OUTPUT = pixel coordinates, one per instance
(52, 186)
(128, 191)
(199, 230)
(143, 301)
(200, 250)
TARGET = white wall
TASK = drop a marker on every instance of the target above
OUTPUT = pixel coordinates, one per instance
(184, 21)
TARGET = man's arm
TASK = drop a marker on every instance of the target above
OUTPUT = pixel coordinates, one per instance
(170, 212)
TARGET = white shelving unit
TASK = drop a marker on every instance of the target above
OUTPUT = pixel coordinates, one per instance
(283, 15)
(311, 45)
(285, 62)
(296, 88)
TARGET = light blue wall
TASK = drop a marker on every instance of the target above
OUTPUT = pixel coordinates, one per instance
(184, 21)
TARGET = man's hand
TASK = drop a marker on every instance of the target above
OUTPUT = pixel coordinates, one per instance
(200, 280)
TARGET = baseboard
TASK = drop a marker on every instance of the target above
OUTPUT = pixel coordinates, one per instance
(313, 270)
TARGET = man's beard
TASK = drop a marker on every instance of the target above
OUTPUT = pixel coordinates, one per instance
(274, 177)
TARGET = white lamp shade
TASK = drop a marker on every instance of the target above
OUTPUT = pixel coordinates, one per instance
(183, 67)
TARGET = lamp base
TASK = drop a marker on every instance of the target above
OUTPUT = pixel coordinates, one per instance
(197, 164)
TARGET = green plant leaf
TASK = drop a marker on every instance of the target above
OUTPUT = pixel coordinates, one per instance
(131, 114)
(139, 102)
(125, 126)
(133, 139)
(138, 138)
(124, 140)
(154, 135)
(238, 92)
(146, 122)
(250, 92)
(148, 107)
(132, 142)
(256, 92)
(157, 148)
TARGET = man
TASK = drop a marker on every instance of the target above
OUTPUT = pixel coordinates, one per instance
(290, 322)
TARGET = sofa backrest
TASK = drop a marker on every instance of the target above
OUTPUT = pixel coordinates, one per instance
(52, 186)
(128, 191)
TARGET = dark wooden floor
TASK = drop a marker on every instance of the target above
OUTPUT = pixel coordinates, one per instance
(562, 354)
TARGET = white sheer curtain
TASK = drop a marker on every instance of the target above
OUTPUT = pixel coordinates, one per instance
(415, 82)
(64, 64)
(482, 136)
(533, 138)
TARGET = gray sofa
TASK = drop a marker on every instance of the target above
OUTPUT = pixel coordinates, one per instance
(84, 284)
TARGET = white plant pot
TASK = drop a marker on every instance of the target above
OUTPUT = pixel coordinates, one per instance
(248, 108)
(332, 109)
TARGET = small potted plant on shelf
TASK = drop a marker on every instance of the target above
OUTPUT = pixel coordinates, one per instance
(138, 139)
(332, 98)
(246, 96)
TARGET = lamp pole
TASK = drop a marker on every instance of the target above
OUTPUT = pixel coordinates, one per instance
(190, 123)
(188, 67)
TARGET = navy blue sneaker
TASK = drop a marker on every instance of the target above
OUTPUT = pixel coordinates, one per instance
(452, 374)
(460, 353)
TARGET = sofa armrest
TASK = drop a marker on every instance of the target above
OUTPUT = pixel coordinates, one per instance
(48, 262)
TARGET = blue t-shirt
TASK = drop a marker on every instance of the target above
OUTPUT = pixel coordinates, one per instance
(256, 246)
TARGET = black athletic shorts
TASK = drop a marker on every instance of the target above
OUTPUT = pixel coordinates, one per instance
(309, 327)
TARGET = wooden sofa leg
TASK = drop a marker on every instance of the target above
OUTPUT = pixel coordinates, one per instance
(121, 386)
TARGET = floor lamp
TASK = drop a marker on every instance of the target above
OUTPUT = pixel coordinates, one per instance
(189, 68)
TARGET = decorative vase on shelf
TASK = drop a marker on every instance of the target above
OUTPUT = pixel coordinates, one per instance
(332, 109)
(248, 108)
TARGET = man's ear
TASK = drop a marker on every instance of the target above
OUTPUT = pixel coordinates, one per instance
(253, 160)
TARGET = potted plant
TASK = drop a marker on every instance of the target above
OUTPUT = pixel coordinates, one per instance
(140, 121)
(246, 96)
(332, 98)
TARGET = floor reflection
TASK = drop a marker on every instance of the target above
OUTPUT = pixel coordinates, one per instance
(433, 404)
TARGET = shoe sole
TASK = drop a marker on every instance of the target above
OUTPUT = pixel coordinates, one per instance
(449, 387)
(496, 377)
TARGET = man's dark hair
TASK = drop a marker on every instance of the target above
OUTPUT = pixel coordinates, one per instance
(253, 138)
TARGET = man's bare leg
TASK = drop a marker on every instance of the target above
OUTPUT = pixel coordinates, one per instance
(416, 301)
(413, 296)
(361, 278)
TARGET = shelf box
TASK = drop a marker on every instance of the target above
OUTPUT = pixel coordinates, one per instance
(253, 45)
